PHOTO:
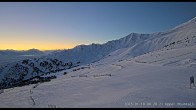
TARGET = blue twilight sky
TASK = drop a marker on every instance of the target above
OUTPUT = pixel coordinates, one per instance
(62, 25)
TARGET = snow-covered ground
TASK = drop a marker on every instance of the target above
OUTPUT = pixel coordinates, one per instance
(131, 84)
(174, 57)
(139, 70)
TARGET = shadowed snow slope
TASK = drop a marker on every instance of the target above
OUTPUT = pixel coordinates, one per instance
(130, 83)
(139, 70)
(181, 36)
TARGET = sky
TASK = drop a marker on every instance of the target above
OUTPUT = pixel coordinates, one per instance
(63, 25)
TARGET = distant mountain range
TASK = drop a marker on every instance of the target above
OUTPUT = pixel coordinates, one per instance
(22, 52)
(130, 46)
(25, 52)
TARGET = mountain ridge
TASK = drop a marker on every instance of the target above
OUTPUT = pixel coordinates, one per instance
(131, 46)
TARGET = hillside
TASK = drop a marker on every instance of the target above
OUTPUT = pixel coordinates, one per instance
(136, 68)
(122, 83)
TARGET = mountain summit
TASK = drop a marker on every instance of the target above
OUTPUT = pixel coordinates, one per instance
(130, 46)
(138, 44)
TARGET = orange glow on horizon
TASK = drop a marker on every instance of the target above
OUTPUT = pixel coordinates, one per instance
(37, 45)
(39, 48)
(13, 41)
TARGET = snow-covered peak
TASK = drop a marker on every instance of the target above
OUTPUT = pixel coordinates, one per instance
(186, 24)
(140, 44)
(132, 45)
(194, 18)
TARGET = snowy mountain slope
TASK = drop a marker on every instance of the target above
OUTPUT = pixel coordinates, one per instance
(84, 54)
(131, 84)
(175, 57)
(130, 46)
(139, 70)
(89, 53)
(183, 35)
(23, 72)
